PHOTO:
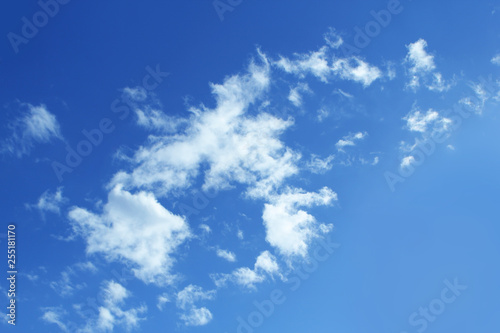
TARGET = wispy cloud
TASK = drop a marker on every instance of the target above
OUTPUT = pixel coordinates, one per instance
(350, 140)
(225, 254)
(320, 165)
(50, 202)
(496, 59)
(36, 125)
(193, 315)
(265, 266)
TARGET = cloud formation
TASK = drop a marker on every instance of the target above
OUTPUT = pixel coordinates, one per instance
(36, 125)
(135, 229)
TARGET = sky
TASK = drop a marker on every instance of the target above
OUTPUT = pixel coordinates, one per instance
(250, 166)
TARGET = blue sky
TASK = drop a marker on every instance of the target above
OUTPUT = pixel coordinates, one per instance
(246, 166)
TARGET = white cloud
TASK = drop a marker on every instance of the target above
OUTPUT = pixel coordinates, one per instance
(426, 124)
(479, 99)
(407, 161)
(350, 140)
(314, 63)
(65, 285)
(228, 255)
(136, 229)
(52, 315)
(318, 165)
(193, 315)
(418, 57)
(192, 294)
(496, 59)
(431, 121)
(111, 313)
(239, 234)
(438, 83)
(205, 228)
(162, 300)
(289, 228)
(237, 148)
(333, 39)
(154, 119)
(295, 94)
(421, 65)
(318, 64)
(197, 316)
(343, 93)
(136, 94)
(265, 265)
(50, 202)
(357, 70)
(322, 115)
(37, 125)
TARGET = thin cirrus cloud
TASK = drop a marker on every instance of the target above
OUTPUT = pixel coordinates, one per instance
(35, 126)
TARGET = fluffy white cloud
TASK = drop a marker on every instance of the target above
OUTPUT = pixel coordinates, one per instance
(350, 140)
(228, 255)
(357, 70)
(36, 125)
(289, 228)
(193, 315)
(134, 228)
(265, 265)
(421, 65)
(418, 58)
(238, 148)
